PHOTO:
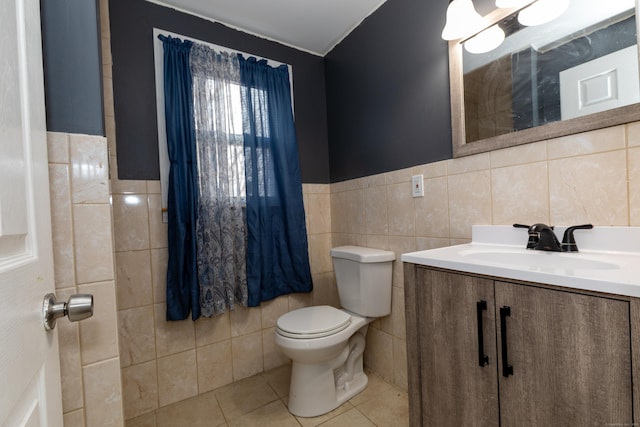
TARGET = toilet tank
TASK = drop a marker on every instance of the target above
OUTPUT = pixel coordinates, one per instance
(364, 279)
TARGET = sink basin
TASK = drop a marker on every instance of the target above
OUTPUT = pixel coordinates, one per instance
(539, 260)
(608, 261)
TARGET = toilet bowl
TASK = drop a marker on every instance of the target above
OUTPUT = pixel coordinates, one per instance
(314, 390)
(326, 344)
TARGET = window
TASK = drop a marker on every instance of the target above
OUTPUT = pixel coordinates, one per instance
(236, 218)
(235, 156)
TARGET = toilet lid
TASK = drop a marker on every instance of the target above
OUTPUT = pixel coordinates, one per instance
(313, 322)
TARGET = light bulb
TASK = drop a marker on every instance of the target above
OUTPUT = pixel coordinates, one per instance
(462, 20)
(508, 4)
(485, 41)
(542, 11)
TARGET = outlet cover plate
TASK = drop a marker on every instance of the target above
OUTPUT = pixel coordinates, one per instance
(417, 185)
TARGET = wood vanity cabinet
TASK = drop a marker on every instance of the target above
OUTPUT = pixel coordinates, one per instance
(569, 353)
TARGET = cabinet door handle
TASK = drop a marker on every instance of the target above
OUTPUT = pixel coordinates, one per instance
(506, 368)
(483, 359)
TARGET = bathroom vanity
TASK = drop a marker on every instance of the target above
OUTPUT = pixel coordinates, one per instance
(501, 335)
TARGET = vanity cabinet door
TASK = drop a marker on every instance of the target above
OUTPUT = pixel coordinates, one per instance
(570, 355)
(455, 390)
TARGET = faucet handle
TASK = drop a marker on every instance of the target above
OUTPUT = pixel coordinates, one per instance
(568, 241)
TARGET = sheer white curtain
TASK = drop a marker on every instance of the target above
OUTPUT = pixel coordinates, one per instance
(221, 225)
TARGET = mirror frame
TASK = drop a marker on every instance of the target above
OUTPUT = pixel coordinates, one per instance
(461, 148)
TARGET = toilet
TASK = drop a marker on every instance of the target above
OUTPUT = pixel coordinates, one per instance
(325, 344)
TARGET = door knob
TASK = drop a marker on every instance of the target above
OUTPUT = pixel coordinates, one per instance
(79, 306)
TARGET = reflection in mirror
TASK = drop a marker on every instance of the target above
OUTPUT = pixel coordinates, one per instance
(582, 63)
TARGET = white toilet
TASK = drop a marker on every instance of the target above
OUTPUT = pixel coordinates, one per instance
(326, 344)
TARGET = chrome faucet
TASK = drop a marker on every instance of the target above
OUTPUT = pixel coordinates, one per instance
(543, 238)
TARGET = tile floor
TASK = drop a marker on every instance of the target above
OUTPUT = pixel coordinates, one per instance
(261, 401)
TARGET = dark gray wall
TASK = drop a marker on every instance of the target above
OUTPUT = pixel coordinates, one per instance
(387, 86)
(132, 23)
(72, 66)
(388, 91)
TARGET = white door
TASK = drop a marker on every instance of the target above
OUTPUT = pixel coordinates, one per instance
(602, 84)
(29, 360)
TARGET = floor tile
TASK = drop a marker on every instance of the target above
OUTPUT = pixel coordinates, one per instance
(316, 421)
(275, 414)
(199, 411)
(389, 409)
(279, 379)
(261, 401)
(147, 420)
(244, 396)
(375, 387)
(351, 418)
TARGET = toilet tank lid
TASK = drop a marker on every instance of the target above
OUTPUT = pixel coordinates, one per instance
(362, 254)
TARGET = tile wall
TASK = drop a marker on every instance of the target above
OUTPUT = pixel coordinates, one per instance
(165, 362)
(83, 263)
(589, 177)
(593, 177)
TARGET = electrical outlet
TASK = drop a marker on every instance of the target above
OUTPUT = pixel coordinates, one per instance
(417, 186)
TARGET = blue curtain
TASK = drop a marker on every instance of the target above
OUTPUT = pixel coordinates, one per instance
(182, 282)
(277, 254)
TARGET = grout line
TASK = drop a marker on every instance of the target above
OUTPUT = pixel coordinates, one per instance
(491, 198)
(548, 177)
(628, 164)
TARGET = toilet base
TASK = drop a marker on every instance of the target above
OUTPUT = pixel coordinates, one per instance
(355, 386)
(320, 388)
(318, 395)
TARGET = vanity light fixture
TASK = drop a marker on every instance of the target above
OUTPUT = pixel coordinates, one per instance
(485, 41)
(508, 4)
(462, 20)
(542, 11)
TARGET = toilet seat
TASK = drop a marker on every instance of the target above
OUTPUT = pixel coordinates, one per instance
(313, 322)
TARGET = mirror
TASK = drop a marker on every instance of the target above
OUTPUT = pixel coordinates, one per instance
(576, 73)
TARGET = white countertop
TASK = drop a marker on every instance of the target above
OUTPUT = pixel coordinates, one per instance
(608, 261)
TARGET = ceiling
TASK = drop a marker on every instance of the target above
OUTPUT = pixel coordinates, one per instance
(313, 26)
